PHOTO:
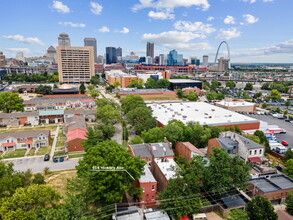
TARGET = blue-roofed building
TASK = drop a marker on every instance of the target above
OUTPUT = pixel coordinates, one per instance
(51, 116)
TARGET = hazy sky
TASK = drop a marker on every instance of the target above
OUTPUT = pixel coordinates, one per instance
(256, 30)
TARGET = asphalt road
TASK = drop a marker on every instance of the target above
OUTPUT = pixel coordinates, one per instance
(37, 164)
(280, 123)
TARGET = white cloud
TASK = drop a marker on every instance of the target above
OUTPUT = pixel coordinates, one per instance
(104, 29)
(71, 24)
(210, 18)
(162, 15)
(27, 40)
(250, 19)
(170, 37)
(226, 34)
(229, 20)
(96, 8)
(124, 30)
(170, 4)
(24, 50)
(198, 27)
(60, 7)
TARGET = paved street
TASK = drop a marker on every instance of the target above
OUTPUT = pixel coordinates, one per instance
(280, 123)
(37, 164)
(118, 133)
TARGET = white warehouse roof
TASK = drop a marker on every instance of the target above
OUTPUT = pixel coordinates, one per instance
(198, 112)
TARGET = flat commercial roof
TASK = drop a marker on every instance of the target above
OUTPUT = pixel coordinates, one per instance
(147, 176)
(167, 166)
(199, 112)
(273, 183)
(183, 81)
(51, 112)
(145, 91)
(235, 104)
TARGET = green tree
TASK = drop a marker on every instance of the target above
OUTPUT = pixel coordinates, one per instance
(108, 114)
(214, 85)
(141, 119)
(103, 102)
(10, 102)
(289, 168)
(239, 94)
(264, 105)
(94, 93)
(173, 132)
(287, 103)
(180, 93)
(44, 90)
(219, 96)
(153, 135)
(230, 84)
(91, 87)
(150, 84)
(289, 154)
(136, 83)
(286, 112)
(225, 172)
(210, 96)
(25, 201)
(163, 83)
(257, 95)
(245, 95)
(260, 208)
(237, 214)
(136, 140)
(131, 102)
(116, 84)
(278, 109)
(275, 95)
(248, 86)
(20, 90)
(39, 179)
(95, 80)
(108, 187)
(82, 88)
(289, 203)
(192, 96)
(263, 139)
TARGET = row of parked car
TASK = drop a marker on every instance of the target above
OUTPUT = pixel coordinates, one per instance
(55, 159)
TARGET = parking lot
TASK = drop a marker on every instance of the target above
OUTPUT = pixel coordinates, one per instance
(280, 123)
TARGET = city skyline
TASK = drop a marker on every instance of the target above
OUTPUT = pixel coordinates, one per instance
(193, 28)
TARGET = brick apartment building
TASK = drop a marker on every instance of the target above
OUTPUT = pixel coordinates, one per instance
(24, 140)
(19, 118)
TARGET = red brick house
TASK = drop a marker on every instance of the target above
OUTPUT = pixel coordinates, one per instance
(187, 150)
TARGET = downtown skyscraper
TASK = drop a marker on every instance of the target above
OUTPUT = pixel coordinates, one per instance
(92, 42)
(150, 50)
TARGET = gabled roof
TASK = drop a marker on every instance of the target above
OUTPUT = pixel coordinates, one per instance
(75, 134)
(75, 122)
(161, 149)
(18, 114)
(141, 150)
(249, 143)
(24, 134)
(192, 148)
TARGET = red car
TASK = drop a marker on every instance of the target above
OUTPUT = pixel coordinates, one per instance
(285, 143)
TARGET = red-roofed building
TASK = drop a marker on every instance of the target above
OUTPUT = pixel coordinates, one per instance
(187, 150)
(75, 138)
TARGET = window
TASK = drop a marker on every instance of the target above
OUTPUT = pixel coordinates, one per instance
(153, 187)
(23, 145)
(142, 189)
(153, 197)
(255, 152)
(250, 152)
(260, 151)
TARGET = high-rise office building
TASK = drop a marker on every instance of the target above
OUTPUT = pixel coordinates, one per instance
(149, 60)
(75, 64)
(173, 58)
(194, 61)
(141, 60)
(162, 59)
(2, 59)
(52, 53)
(20, 56)
(63, 40)
(92, 42)
(101, 59)
(111, 55)
(119, 52)
(205, 60)
(150, 51)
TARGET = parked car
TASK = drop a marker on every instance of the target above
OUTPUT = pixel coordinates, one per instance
(287, 120)
(47, 157)
(285, 143)
(55, 159)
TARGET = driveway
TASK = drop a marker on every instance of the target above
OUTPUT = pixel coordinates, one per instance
(37, 164)
(118, 133)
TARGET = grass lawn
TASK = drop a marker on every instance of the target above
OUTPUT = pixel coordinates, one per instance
(44, 150)
(32, 152)
(58, 180)
(60, 142)
(76, 155)
(14, 154)
(59, 153)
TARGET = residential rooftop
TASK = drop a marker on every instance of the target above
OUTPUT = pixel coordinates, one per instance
(199, 112)
(162, 149)
(141, 150)
(273, 183)
(167, 167)
(147, 176)
(24, 134)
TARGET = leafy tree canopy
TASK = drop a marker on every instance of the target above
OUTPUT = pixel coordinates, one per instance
(10, 102)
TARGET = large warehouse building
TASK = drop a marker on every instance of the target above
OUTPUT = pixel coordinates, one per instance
(202, 113)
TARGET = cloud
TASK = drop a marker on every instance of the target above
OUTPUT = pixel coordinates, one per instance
(198, 27)
(250, 19)
(253, 1)
(28, 40)
(60, 7)
(124, 30)
(171, 4)
(104, 29)
(162, 15)
(71, 24)
(210, 18)
(171, 37)
(229, 20)
(226, 34)
(96, 8)
(24, 50)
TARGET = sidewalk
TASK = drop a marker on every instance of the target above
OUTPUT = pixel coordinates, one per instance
(54, 142)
